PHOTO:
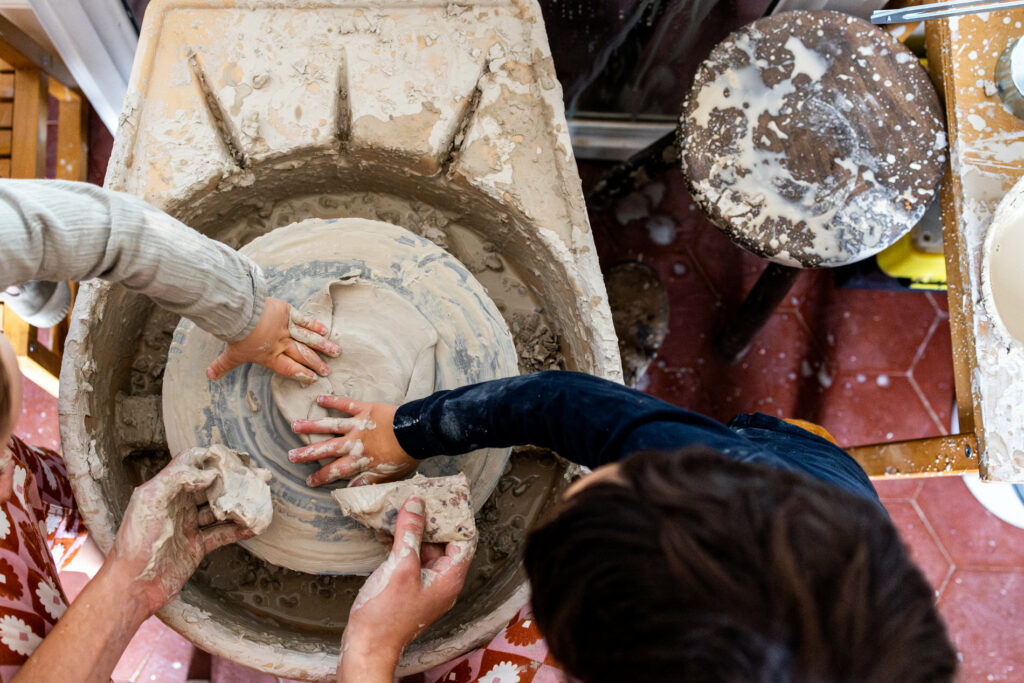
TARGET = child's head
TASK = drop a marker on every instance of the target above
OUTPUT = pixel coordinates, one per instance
(693, 567)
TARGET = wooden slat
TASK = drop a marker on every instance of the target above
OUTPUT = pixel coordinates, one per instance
(936, 456)
(6, 113)
(18, 332)
(38, 363)
(20, 51)
(7, 85)
(5, 142)
(961, 310)
(5, 167)
(72, 127)
(31, 102)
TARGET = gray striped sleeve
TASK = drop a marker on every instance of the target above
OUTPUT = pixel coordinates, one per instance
(56, 230)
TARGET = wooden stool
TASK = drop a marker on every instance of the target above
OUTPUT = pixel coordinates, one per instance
(812, 139)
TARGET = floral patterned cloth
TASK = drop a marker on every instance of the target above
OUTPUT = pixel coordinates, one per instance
(516, 655)
(40, 532)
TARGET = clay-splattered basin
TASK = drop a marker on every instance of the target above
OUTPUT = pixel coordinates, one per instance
(237, 606)
(241, 117)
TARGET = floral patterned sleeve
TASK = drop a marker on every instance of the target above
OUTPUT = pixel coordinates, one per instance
(40, 531)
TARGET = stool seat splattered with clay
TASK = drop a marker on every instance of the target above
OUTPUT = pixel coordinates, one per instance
(812, 139)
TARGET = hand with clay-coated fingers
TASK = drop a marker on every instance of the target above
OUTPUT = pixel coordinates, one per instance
(414, 586)
(166, 531)
(284, 340)
(365, 447)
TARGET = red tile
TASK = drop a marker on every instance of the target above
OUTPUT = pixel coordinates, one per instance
(877, 331)
(731, 271)
(808, 294)
(933, 373)
(864, 408)
(983, 612)
(38, 424)
(925, 551)
(73, 583)
(226, 671)
(199, 668)
(973, 537)
(897, 489)
(778, 373)
(941, 302)
(156, 653)
(169, 660)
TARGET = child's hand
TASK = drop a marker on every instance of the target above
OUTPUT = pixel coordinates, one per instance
(412, 588)
(285, 341)
(366, 448)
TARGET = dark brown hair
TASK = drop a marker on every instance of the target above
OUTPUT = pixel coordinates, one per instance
(695, 567)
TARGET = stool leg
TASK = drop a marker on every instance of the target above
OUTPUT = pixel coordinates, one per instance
(768, 292)
(626, 177)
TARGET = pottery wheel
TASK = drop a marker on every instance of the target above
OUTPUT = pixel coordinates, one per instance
(812, 138)
(396, 295)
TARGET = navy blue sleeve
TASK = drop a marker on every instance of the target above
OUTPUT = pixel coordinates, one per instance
(591, 421)
(585, 419)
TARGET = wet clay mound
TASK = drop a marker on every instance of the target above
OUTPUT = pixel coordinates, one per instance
(415, 322)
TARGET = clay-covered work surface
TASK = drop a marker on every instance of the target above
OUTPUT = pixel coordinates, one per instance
(986, 160)
(812, 138)
(389, 349)
(410, 320)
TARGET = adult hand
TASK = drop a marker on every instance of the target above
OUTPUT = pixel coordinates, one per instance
(285, 341)
(412, 588)
(165, 532)
(365, 448)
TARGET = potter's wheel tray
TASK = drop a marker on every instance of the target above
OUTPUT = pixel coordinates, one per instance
(410, 320)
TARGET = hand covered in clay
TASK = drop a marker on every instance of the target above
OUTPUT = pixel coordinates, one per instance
(413, 587)
(366, 449)
(285, 340)
(165, 532)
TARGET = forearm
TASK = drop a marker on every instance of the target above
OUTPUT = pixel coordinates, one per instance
(366, 665)
(90, 637)
(585, 419)
(52, 230)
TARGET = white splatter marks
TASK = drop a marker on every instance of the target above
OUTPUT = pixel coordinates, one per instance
(662, 230)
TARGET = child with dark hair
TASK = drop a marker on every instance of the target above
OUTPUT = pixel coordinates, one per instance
(695, 551)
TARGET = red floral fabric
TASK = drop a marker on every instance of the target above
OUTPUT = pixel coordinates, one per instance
(40, 532)
(516, 655)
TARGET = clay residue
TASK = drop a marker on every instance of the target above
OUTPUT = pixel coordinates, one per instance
(537, 343)
(276, 599)
(448, 511)
(240, 493)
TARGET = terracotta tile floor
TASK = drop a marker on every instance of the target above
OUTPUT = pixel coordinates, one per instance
(868, 365)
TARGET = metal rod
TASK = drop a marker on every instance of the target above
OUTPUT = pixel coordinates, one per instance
(938, 10)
